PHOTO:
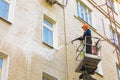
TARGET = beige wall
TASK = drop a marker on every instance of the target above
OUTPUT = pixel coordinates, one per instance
(29, 56)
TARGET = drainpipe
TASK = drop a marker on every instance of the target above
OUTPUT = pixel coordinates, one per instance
(65, 36)
(66, 51)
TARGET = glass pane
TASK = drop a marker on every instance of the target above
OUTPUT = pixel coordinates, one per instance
(87, 17)
(48, 36)
(4, 7)
(111, 35)
(119, 72)
(45, 78)
(82, 10)
(78, 7)
(116, 39)
(84, 13)
(47, 23)
(1, 60)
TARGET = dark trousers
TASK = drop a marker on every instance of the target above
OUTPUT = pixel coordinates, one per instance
(89, 49)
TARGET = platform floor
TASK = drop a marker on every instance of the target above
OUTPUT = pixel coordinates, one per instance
(89, 62)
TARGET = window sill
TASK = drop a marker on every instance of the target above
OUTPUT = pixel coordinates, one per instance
(101, 75)
(81, 20)
(5, 20)
(48, 45)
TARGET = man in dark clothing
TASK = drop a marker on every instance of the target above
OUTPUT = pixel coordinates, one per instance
(87, 34)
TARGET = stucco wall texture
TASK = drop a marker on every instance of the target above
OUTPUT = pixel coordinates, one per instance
(29, 57)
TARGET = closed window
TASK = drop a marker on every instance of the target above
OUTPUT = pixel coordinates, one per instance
(46, 76)
(118, 71)
(4, 9)
(7, 8)
(114, 37)
(99, 69)
(1, 62)
(48, 32)
(110, 3)
(4, 62)
(84, 12)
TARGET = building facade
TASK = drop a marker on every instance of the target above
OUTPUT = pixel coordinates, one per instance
(35, 38)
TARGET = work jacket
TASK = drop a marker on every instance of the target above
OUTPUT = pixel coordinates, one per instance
(86, 34)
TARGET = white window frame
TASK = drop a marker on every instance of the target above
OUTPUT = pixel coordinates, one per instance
(50, 74)
(111, 35)
(118, 70)
(11, 10)
(87, 10)
(5, 66)
(110, 3)
(99, 69)
(116, 7)
(53, 29)
(116, 39)
(115, 36)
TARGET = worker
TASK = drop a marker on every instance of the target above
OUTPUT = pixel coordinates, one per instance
(87, 34)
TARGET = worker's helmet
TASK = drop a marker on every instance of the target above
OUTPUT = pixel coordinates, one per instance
(85, 26)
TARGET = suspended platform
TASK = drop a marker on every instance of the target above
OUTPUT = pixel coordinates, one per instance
(85, 61)
(89, 62)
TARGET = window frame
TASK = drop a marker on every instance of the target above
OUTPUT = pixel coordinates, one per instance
(115, 36)
(11, 10)
(87, 11)
(5, 65)
(48, 76)
(53, 29)
(7, 11)
(118, 68)
(99, 69)
(110, 4)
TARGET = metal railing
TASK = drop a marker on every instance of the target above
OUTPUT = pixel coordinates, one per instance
(95, 47)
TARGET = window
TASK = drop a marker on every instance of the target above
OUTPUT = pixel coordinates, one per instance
(1, 62)
(99, 69)
(84, 12)
(110, 3)
(118, 71)
(4, 9)
(46, 76)
(119, 41)
(114, 37)
(4, 62)
(7, 8)
(49, 34)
